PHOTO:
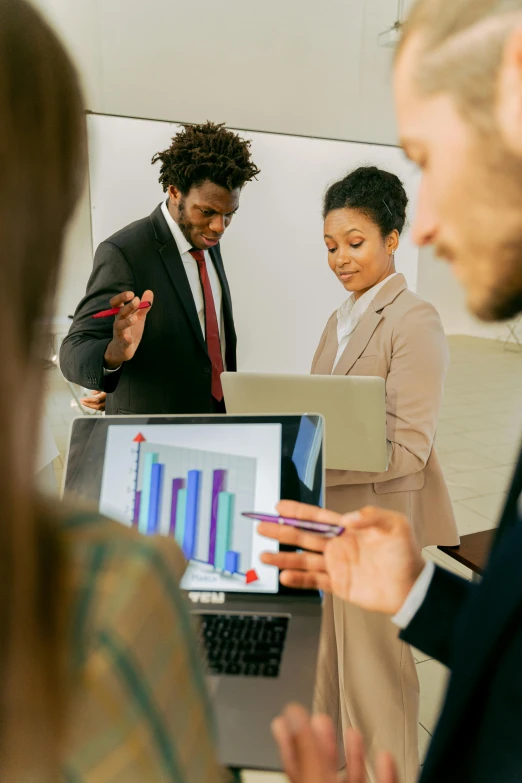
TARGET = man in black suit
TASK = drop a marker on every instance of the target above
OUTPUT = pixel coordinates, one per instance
(458, 91)
(166, 358)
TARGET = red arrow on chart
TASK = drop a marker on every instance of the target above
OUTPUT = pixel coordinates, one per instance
(139, 438)
(251, 576)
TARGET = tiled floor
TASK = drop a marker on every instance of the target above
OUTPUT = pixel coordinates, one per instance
(478, 439)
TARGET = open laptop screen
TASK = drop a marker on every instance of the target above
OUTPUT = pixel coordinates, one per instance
(191, 478)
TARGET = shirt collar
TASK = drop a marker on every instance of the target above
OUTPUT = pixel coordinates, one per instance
(365, 300)
(353, 307)
(179, 237)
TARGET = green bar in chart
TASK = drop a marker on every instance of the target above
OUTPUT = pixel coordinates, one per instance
(225, 516)
(149, 461)
(181, 510)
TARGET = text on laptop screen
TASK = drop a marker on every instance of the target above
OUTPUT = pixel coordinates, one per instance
(193, 483)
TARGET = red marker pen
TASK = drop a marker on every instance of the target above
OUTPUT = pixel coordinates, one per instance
(116, 310)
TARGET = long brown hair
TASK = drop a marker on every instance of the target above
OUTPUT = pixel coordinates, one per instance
(42, 150)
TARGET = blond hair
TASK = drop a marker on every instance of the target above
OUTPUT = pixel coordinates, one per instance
(461, 50)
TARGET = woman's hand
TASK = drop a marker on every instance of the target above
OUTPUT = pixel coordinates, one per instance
(309, 753)
(373, 564)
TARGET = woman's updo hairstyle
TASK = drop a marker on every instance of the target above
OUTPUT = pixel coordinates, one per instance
(379, 194)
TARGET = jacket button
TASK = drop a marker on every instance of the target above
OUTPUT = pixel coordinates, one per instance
(208, 370)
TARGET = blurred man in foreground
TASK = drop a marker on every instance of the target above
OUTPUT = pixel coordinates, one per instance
(458, 93)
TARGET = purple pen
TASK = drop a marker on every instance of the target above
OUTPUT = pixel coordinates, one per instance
(302, 524)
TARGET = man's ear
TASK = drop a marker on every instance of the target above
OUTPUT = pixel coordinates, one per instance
(509, 93)
(175, 194)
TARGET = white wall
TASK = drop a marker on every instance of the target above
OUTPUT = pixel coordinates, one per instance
(437, 284)
(291, 66)
(77, 257)
(75, 21)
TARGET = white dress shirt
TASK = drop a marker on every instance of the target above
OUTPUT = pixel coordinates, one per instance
(418, 592)
(191, 268)
(350, 313)
(415, 597)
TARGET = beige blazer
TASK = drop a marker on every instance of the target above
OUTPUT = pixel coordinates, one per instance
(401, 339)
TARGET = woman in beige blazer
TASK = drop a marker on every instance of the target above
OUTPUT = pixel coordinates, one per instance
(367, 676)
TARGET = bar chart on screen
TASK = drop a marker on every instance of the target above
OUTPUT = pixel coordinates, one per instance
(197, 497)
(190, 482)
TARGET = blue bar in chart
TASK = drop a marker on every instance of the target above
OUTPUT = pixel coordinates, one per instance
(192, 512)
(225, 515)
(156, 489)
(181, 510)
(232, 562)
(149, 461)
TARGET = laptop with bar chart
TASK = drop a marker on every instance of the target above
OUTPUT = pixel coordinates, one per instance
(191, 478)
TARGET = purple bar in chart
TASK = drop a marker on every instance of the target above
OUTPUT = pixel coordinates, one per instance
(232, 562)
(177, 484)
(219, 480)
(136, 516)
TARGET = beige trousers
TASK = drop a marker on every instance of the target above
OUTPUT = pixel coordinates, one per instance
(367, 679)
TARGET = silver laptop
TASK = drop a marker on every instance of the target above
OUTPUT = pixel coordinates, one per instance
(353, 408)
(191, 477)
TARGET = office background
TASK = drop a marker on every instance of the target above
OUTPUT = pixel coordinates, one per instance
(265, 65)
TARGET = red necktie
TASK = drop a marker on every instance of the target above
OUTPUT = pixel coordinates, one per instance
(211, 325)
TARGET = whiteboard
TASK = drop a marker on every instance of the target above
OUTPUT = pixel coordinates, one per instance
(283, 291)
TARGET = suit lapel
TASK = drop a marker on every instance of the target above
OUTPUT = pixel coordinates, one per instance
(482, 632)
(358, 341)
(493, 607)
(215, 254)
(510, 512)
(368, 324)
(171, 258)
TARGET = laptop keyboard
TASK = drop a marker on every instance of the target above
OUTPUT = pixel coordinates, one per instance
(244, 644)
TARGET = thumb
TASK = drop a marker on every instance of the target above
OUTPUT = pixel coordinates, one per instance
(386, 769)
(148, 296)
(311, 764)
(370, 517)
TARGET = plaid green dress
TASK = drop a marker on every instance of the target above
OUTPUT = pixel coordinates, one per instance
(140, 710)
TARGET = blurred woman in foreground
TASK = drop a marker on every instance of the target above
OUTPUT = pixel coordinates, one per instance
(99, 675)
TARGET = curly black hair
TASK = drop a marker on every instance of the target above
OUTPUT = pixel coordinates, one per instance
(206, 152)
(379, 194)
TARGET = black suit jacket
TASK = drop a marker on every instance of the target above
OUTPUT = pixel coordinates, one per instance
(171, 370)
(476, 630)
